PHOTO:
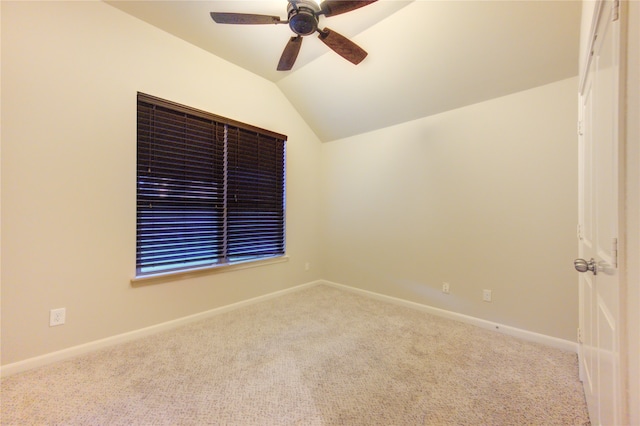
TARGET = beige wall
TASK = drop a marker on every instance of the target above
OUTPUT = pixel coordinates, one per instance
(480, 197)
(70, 72)
(483, 197)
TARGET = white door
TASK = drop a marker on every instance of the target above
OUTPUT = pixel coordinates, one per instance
(600, 320)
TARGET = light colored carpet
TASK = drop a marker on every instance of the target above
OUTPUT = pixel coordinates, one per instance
(320, 356)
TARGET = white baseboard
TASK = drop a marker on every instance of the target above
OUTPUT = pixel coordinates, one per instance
(500, 328)
(28, 364)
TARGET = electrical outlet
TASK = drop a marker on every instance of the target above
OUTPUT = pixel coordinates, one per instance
(445, 288)
(57, 316)
(486, 295)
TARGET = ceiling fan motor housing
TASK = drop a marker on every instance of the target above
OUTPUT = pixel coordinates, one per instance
(303, 19)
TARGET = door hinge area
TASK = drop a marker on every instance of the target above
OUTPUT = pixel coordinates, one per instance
(579, 232)
(580, 132)
(615, 10)
(580, 335)
(614, 252)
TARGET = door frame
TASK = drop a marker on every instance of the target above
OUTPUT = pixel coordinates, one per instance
(630, 11)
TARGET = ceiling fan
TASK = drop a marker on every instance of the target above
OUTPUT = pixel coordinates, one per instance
(302, 17)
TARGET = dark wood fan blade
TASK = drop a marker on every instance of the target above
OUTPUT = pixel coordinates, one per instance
(290, 54)
(336, 7)
(244, 18)
(342, 46)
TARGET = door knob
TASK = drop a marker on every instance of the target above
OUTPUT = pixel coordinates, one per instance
(582, 265)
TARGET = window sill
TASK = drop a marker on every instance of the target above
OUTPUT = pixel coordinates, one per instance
(189, 273)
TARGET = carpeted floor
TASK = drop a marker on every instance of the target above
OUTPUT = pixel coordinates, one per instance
(320, 356)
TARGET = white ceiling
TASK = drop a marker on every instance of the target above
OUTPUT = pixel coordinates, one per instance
(425, 56)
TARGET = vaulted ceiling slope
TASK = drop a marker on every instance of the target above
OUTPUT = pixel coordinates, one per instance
(425, 56)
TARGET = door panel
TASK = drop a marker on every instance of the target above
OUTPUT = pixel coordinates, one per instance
(587, 332)
(598, 214)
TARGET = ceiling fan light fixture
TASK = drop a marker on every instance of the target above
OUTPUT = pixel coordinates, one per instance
(303, 19)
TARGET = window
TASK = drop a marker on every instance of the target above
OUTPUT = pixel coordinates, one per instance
(210, 191)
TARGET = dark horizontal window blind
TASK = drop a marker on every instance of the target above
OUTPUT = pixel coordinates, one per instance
(210, 191)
